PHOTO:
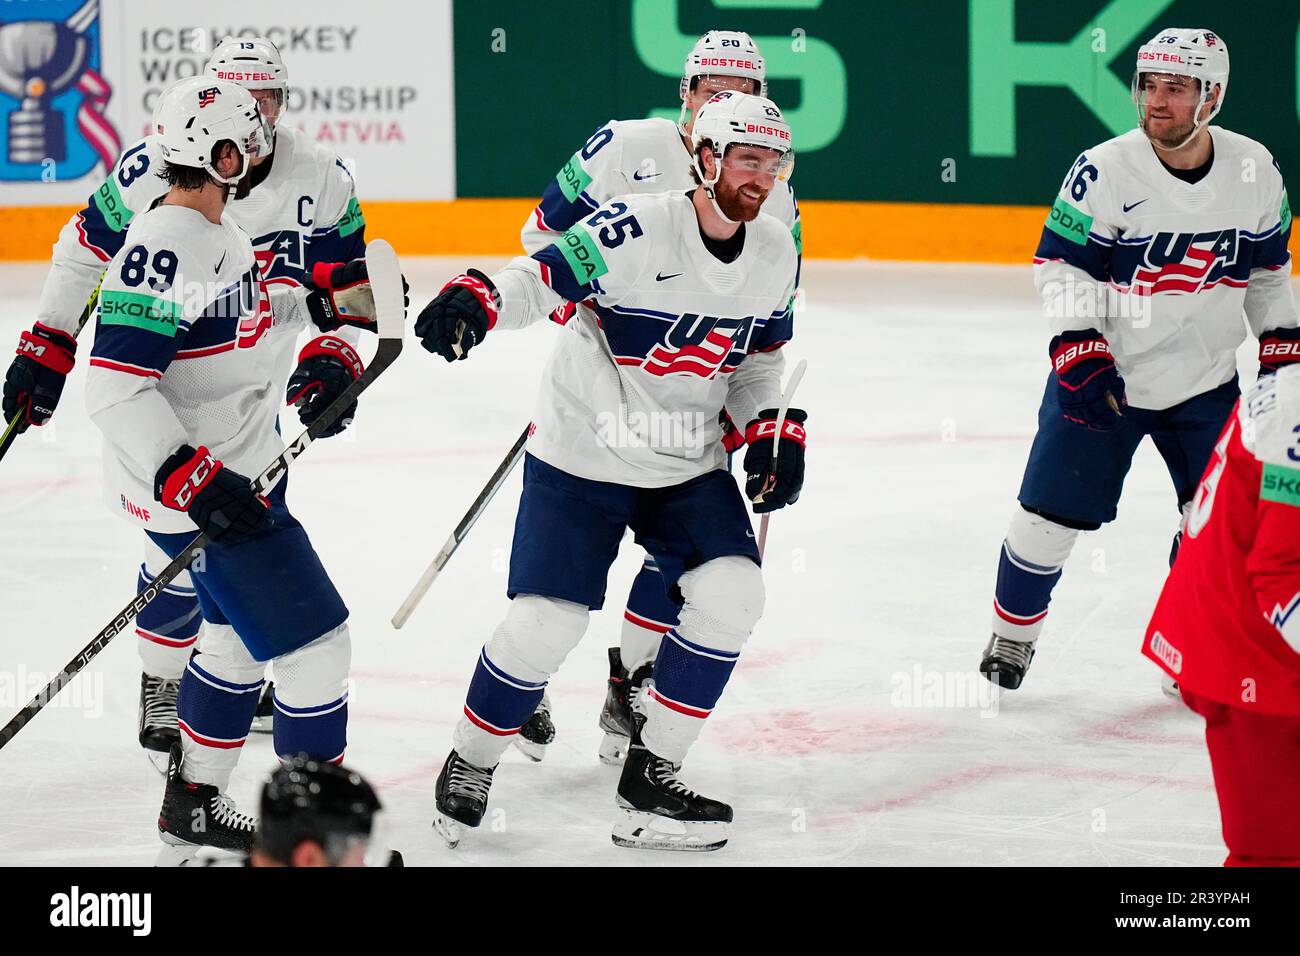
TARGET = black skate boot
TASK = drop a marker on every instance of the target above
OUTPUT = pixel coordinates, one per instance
(198, 814)
(536, 735)
(616, 715)
(1005, 661)
(659, 812)
(158, 729)
(264, 716)
(461, 798)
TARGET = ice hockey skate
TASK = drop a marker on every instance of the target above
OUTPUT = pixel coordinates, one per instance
(461, 798)
(659, 812)
(536, 735)
(158, 730)
(616, 714)
(200, 815)
(1006, 661)
(264, 716)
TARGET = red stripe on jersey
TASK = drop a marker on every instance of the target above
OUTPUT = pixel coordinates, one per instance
(482, 724)
(1016, 618)
(680, 708)
(128, 369)
(210, 741)
(645, 622)
(165, 641)
(81, 237)
(204, 352)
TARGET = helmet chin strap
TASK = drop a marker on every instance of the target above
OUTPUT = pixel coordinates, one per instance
(1196, 127)
(708, 186)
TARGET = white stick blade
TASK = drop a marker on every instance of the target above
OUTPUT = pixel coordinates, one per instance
(386, 287)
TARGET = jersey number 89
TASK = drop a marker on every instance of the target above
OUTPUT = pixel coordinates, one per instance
(134, 268)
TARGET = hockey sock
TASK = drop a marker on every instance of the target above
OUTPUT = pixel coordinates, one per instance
(724, 600)
(512, 671)
(650, 614)
(1032, 556)
(218, 697)
(169, 627)
(311, 698)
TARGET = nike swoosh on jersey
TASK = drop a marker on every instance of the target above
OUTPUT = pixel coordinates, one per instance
(1128, 208)
(223, 259)
(660, 277)
(637, 175)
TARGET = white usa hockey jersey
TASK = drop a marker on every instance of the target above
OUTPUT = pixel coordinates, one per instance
(630, 156)
(664, 335)
(183, 355)
(1163, 268)
(304, 212)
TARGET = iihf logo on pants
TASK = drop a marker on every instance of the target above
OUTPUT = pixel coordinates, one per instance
(52, 95)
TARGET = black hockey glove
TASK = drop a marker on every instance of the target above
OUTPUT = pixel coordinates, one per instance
(459, 316)
(339, 294)
(773, 484)
(35, 378)
(221, 502)
(326, 367)
(1090, 390)
(1278, 347)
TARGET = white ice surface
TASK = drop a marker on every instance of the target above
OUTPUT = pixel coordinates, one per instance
(922, 388)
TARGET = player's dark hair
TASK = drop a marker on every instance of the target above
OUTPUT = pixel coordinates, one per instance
(191, 177)
(695, 176)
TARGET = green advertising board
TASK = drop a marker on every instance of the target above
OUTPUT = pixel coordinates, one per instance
(962, 101)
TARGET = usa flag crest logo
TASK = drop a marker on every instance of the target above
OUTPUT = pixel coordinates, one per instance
(52, 95)
(208, 97)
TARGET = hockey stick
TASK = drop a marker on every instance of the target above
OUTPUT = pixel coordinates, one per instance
(12, 431)
(786, 397)
(386, 286)
(475, 510)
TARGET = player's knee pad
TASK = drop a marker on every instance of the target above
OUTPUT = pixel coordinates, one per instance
(1038, 541)
(221, 654)
(316, 673)
(724, 600)
(536, 636)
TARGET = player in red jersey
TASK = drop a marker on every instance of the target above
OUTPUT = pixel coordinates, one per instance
(1227, 626)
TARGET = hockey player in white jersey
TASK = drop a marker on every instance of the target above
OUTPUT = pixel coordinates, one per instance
(184, 384)
(683, 304)
(644, 156)
(1158, 241)
(299, 205)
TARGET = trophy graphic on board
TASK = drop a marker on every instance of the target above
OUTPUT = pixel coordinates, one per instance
(39, 59)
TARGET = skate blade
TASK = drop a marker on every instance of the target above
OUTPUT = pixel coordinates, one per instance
(450, 830)
(533, 751)
(639, 830)
(263, 725)
(178, 854)
(614, 748)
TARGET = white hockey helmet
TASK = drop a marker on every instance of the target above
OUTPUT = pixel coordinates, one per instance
(730, 117)
(252, 62)
(196, 113)
(1199, 54)
(722, 53)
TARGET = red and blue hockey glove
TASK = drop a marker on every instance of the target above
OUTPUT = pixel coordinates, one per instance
(459, 316)
(218, 500)
(772, 483)
(327, 366)
(1091, 392)
(1278, 347)
(339, 294)
(35, 378)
